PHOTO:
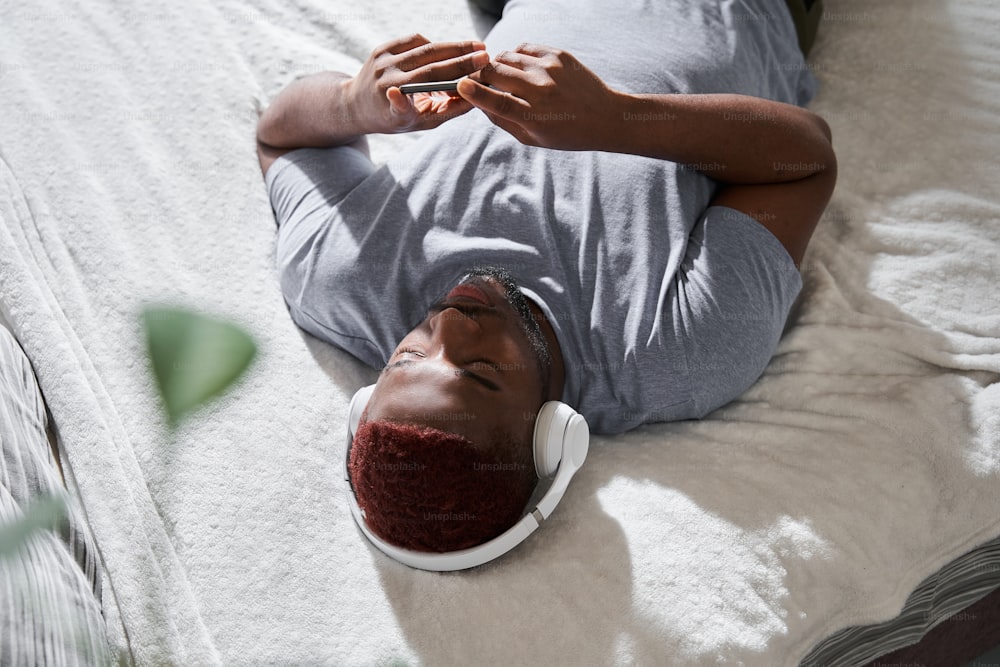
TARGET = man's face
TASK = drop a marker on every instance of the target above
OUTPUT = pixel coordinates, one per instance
(476, 364)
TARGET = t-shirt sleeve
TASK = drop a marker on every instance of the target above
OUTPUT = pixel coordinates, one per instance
(306, 183)
(736, 286)
(305, 188)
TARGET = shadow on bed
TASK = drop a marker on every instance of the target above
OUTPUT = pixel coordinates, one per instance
(528, 598)
(344, 371)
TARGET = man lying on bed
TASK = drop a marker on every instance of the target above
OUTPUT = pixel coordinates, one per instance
(646, 242)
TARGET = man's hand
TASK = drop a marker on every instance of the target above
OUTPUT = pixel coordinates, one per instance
(544, 96)
(775, 161)
(374, 96)
(333, 109)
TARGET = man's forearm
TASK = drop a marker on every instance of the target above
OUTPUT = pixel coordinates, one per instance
(734, 139)
(311, 112)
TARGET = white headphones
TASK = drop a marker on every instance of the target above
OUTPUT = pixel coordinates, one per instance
(561, 440)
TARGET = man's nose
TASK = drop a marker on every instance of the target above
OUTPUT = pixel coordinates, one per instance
(452, 330)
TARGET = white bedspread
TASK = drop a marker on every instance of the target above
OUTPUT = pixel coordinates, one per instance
(866, 457)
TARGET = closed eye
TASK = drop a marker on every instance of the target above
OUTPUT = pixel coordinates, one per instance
(461, 372)
(477, 364)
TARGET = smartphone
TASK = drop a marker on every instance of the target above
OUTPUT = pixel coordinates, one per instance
(429, 87)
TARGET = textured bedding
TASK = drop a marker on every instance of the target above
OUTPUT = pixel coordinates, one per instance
(866, 457)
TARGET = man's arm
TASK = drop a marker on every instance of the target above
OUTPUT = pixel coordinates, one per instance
(775, 160)
(309, 112)
(334, 109)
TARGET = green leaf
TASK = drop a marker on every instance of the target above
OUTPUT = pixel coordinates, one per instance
(194, 357)
(45, 512)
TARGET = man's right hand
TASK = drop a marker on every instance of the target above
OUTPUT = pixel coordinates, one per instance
(332, 109)
(544, 96)
(374, 98)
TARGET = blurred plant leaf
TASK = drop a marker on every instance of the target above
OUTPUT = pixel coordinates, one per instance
(45, 512)
(194, 357)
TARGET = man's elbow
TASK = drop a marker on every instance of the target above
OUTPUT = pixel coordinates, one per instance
(269, 146)
(826, 157)
(266, 126)
(267, 154)
(831, 157)
(824, 127)
(830, 161)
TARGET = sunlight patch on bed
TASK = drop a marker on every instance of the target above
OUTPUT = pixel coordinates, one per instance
(701, 579)
(984, 456)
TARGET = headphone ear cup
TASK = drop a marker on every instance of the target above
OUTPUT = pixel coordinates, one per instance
(357, 408)
(553, 433)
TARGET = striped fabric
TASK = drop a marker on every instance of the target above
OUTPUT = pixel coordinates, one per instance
(943, 595)
(50, 607)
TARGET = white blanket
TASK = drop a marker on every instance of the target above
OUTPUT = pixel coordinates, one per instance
(865, 458)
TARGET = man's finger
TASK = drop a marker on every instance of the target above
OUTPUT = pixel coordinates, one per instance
(536, 50)
(434, 52)
(451, 69)
(516, 60)
(510, 127)
(399, 103)
(503, 76)
(493, 101)
(443, 110)
(403, 44)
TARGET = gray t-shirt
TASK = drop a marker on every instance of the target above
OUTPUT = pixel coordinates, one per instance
(665, 308)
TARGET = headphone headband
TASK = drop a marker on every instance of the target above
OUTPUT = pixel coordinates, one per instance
(561, 441)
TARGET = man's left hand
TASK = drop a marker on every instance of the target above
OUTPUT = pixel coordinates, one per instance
(544, 96)
(375, 102)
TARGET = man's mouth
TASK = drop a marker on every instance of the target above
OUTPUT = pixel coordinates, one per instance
(470, 292)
